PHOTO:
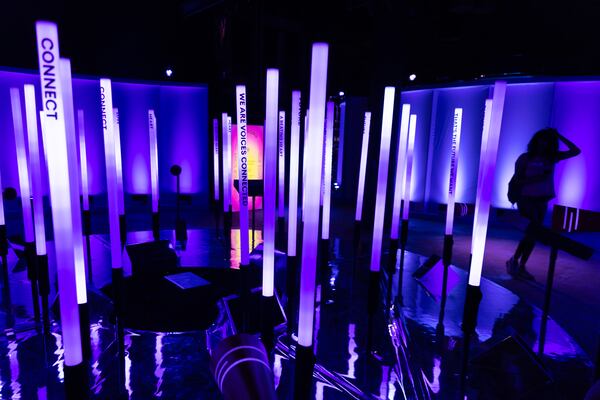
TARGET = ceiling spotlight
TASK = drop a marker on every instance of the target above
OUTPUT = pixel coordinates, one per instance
(412, 77)
(169, 72)
(341, 94)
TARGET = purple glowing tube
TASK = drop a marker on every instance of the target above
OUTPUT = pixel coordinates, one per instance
(382, 176)
(456, 127)
(216, 158)
(242, 158)
(119, 162)
(363, 166)
(340, 159)
(270, 184)
(226, 162)
(328, 168)
(486, 182)
(152, 128)
(15, 99)
(310, 235)
(304, 161)
(55, 143)
(412, 128)
(36, 172)
(281, 167)
(400, 168)
(294, 160)
(83, 161)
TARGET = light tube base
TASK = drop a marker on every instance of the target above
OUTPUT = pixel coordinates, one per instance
(266, 323)
(303, 375)
(3, 241)
(123, 229)
(447, 252)
(291, 305)
(87, 222)
(181, 230)
(84, 328)
(404, 233)
(156, 225)
(356, 238)
(244, 293)
(373, 295)
(32, 276)
(392, 256)
(280, 237)
(76, 382)
(472, 301)
(44, 288)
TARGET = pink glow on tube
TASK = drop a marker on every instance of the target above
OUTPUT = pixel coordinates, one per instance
(487, 169)
(119, 162)
(294, 160)
(216, 157)
(456, 127)
(382, 176)
(226, 162)
(310, 235)
(152, 128)
(36, 172)
(83, 160)
(363, 166)
(15, 100)
(412, 128)
(400, 168)
(242, 157)
(281, 167)
(55, 143)
(270, 184)
(328, 168)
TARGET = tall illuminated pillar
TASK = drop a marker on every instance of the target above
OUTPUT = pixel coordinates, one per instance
(340, 155)
(216, 159)
(400, 168)
(85, 194)
(406, 192)
(152, 129)
(119, 165)
(242, 158)
(226, 133)
(281, 167)
(448, 241)
(364, 151)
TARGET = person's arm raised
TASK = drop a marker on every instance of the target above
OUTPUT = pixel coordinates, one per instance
(573, 149)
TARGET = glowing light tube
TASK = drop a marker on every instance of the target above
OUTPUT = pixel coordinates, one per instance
(226, 162)
(281, 167)
(119, 162)
(270, 168)
(55, 143)
(400, 168)
(216, 158)
(382, 176)
(294, 160)
(152, 127)
(2, 218)
(67, 89)
(304, 161)
(83, 160)
(456, 127)
(242, 157)
(328, 168)
(36, 172)
(412, 128)
(363, 166)
(487, 168)
(15, 99)
(310, 234)
(340, 159)
(108, 126)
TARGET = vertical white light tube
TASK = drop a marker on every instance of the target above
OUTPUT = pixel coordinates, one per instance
(226, 162)
(363, 166)
(487, 168)
(310, 234)
(281, 167)
(242, 158)
(328, 169)
(294, 168)
(382, 176)
(36, 172)
(15, 100)
(456, 128)
(304, 161)
(270, 184)
(119, 162)
(216, 158)
(83, 161)
(152, 129)
(412, 128)
(400, 168)
(340, 160)
(2, 218)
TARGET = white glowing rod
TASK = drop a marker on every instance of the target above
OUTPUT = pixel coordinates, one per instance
(226, 162)
(216, 157)
(242, 158)
(281, 167)
(382, 176)
(328, 167)
(304, 161)
(67, 90)
(310, 235)
(400, 168)
(152, 127)
(15, 99)
(55, 143)
(412, 128)
(119, 162)
(83, 160)
(363, 166)
(294, 159)
(340, 159)
(487, 168)
(456, 127)
(269, 181)
(108, 126)
(2, 220)
(36, 172)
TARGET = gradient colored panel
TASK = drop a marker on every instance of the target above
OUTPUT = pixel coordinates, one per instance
(242, 153)
(119, 162)
(408, 172)
(153, 142)
(255, 161)
(216, 158)
(83, 160)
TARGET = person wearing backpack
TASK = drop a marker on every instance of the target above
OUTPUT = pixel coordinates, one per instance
(532, 186)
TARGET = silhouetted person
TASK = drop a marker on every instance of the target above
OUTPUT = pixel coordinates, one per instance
(534, 174)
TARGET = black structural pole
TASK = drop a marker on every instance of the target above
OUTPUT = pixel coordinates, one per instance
(547, 298)
(87, 231)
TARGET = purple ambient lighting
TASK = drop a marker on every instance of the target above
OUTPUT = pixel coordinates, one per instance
(15, 100)
(294, 160)
(340, 155)
(400, 168)
(242, 156)
(486, 182)
(119, 162)
(382, 176)
(216, 158)
(55, 143)
(310, 234)
(412, 128)
(328, 166)
(36, 172)
(226, 162)
(281, 167)
(456, 127)
(83, 161)
(270, 168)
(363, 166)
(153, 159)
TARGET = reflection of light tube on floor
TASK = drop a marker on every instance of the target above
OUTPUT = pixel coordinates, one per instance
(119, 162)
(294, 159)
(327, 172)
(83, 161)
(152, 128)
(363, 166)
(216, 158)
(242, 158)
(412, 127)
(456, 127)
(400, 168)
(382, 176)
(281, 167)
